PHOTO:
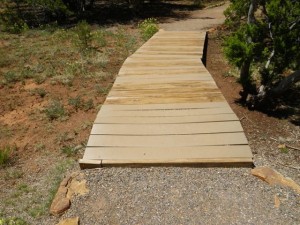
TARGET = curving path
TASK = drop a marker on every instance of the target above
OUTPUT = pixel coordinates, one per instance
(165, 108)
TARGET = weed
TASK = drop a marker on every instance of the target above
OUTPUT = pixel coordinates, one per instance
(89, 104)
(86, 125)
(27, 73)
(102, 90)
(39, 79)
(5, 154)
(12, 174)
(76, 102)
(39, 91)
(148, 28)
(99, 37)
(66, 79)
(198, 3)
(13, 221)
(39, 146)
(5, 131)
(11, 77)
(70, 151)
(84, 36)
(24, 188)
(55, 110)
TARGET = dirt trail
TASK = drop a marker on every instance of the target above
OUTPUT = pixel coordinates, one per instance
(197, 20)
(182, 195)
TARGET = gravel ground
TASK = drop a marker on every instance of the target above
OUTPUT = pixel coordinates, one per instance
(182, 195)
(186, 195)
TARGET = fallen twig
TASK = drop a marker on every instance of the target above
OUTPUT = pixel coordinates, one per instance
(296, 168)
(286, 145)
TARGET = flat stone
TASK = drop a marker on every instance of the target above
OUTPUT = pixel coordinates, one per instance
(77, 188)
(70, 186)
(69, 221)
(59, 206)
(65, 181)
(273, 177)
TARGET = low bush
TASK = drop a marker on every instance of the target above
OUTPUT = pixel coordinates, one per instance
(148, 28)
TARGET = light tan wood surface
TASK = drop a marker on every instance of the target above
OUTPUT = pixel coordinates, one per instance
(165, 108)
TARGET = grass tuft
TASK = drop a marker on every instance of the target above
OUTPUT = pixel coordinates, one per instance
(55, 110)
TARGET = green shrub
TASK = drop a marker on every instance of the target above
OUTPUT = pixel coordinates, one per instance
(198, 3)
(148, 28)
(11, 77)
(76, 102)
(41, 92)
(84, 36)
(55, 110)
(12, 221)
(5, 154)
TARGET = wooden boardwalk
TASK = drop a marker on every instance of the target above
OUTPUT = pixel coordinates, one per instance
(165, 108)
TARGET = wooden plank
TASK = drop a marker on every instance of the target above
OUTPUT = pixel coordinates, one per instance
(167, 140)
(165, 120)
(137, 153)
(173, 52)
(171, 71)
(135, 79)
(161, 63)
(167, 129)
(165, 108)
(174, 99)
(179, 106)
(167, 113)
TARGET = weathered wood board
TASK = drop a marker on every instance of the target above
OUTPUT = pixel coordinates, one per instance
(165, 108)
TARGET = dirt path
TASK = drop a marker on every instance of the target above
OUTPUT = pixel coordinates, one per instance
(197, 20)
(167, 195)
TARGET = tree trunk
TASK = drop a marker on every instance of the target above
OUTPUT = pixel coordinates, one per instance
(286, 84)
(245, 68)
(266, 94)
(245, 81)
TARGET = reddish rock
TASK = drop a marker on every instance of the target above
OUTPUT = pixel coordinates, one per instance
(69, 221)
(273, 177)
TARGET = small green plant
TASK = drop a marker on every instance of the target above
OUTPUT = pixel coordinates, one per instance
(198, 3)
(55, 110)
(39, 91)
(148, 28)
(12, 174)
(76, 102)
(12, 221)
(11, 77)
(70, 151)
(84, 36)
(89, 104)
(99, 37)
(5, 154)
(102, 90)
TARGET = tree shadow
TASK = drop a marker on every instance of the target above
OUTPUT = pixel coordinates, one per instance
(104, 13)
(286, 106)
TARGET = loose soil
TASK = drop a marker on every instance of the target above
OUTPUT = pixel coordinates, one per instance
(159, 195)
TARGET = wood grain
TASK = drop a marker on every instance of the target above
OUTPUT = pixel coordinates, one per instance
(165, 109)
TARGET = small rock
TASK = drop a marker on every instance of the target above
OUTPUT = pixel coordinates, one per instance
(59, 206)
(272, 177)
(77, 188)
(69, 221)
